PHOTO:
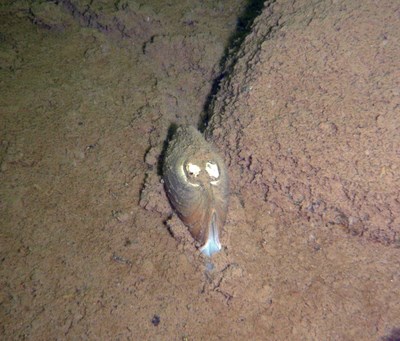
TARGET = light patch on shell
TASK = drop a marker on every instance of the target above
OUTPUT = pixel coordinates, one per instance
(193, 169)
(213, 172)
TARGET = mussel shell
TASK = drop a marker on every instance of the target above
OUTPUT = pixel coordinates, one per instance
(197, 185)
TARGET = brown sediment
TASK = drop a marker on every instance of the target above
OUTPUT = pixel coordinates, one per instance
(306, 119)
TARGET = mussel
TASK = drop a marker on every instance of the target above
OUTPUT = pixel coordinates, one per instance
(197, 185)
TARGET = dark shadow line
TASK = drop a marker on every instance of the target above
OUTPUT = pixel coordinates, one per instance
(160, 164)
(243, 27)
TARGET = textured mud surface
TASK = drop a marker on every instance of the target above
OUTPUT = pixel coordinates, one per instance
(306, 116)
(314, 113)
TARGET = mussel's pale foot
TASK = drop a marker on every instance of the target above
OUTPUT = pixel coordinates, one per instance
(212, 244)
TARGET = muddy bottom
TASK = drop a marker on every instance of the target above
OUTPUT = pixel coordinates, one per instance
(90, 247)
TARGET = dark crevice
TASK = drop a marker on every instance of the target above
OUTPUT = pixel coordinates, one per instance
(243, 27)
(87, 17)
(393, 336)
(160, 164)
